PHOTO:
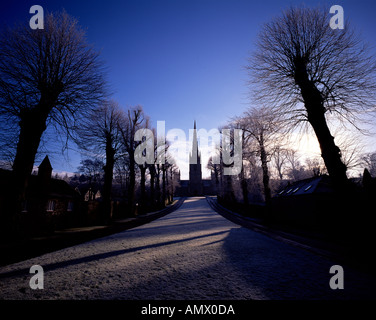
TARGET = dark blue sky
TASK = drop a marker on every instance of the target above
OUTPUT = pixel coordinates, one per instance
(180, 59)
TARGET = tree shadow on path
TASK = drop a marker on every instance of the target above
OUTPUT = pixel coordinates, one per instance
(286, 272)
(105, 255)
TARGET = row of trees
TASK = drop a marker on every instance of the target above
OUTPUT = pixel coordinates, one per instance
(270, 161)
(52, 78)
(109, 134)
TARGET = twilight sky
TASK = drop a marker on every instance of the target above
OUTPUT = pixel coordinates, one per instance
(180, 59)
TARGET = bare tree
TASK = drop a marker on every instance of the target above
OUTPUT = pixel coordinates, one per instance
(247, 151)
(173, 171)
(369, 162)
(92, 170)
(226, 189)
(153, 170)
(167, 180)
(9, 132)
(351, 148)
(122, 174)
(255, 179)
(214, 171)
(134, 120)
(150, 166)
(47, 76)
(306, 71)
(295, 170)
(262, 129)
(100, 135)
(279, 160)
(315, 166)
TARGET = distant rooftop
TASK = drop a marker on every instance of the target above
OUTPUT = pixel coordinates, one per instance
(320, 184)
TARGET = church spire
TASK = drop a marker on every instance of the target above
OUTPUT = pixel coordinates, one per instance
(195, 154)
(195, 175)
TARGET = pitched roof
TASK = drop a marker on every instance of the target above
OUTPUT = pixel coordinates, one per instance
(45, 163)
(55, 187)
(320, 184)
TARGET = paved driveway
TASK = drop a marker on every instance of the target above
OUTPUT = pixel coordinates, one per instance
(192, 253)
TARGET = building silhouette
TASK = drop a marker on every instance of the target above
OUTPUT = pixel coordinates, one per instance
(49, 203)
(195, 186)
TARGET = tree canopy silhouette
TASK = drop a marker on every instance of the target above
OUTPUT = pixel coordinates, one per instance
(47, 76)
(305, 70)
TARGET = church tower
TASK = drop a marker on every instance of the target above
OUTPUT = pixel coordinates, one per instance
(195, 175)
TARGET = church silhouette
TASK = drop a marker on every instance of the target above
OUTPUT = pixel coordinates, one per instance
(195, 186)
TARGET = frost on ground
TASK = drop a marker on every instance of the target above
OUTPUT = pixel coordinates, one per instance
(190, 254)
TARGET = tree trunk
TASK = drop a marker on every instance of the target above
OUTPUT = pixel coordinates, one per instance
(152, 184)
(244, 191)
(158, 185)
(329, 151)
(265, 172)
(228, 190)
(132, 183)
(164, 184)
(108, 177)
(216, 170)
(168, 191)
(171, 185)
(143, 187)
(32, 126)
(314, 105)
